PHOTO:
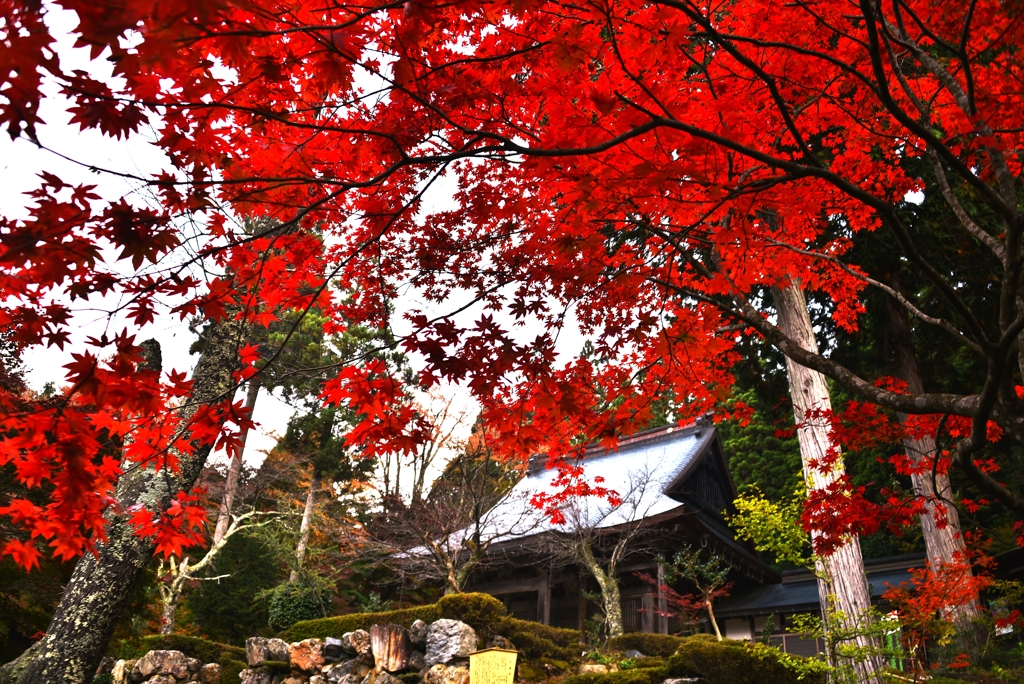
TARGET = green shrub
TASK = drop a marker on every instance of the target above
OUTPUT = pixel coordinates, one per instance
(338, 625)
(482, 612)
(537, 641)
(651, 661)
(531, 672)
(293, 602)
(559, 666)
(734, 662)
(639, 675)
(648, 644)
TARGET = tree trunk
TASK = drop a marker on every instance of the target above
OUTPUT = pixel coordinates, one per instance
(610, 597)
(307, 520)
(943, 544)
(171, 594)
(102, 584)
(234, 469)
(711, 616)
(842, 582)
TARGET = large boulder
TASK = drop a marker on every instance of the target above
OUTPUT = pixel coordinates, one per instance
(210, 673)
(335, 676)
(119, 674)
(256, 675)
(418, 633)
(357, 667)
(162, 679)
(357, 642)
(172, 663)
(447, 674)
(447, 640)
(258, 650)
(390, 646)
(307, 655)
(498, 641)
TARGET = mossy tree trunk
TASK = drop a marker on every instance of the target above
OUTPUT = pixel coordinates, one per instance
(102, 584)
(611, 598)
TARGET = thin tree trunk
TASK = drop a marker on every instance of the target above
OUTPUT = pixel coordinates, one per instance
(610, 595)
(714, 622)
(171, 594)
(420, 472)
(102, 584)
(307, 521)
(943, 543)
(842, 582)
(234, 469)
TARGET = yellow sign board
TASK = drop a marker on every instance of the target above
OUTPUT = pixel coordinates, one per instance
(492, 666)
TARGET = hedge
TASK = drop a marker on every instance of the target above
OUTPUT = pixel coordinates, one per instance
(648, 644)
(638, 675)
(732, 662)
(537, 641)
(483, 613)
(340, 624)
(713, 661)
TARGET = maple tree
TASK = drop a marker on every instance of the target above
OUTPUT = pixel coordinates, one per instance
(647, 169)
(708, 576)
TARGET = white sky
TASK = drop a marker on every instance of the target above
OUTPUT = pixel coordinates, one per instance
(21, 161)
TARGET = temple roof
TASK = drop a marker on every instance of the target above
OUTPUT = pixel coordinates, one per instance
(647, 471)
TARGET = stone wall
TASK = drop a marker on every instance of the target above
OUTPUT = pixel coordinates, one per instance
(165, 667)
(435, 653)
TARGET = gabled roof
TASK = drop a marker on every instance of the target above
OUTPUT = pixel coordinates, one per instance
(649, 469)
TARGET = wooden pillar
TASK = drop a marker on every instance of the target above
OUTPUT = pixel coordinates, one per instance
(662, 602)
(647, 613)
(544, 600)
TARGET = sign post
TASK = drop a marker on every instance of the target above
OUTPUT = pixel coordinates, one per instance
(492, 666)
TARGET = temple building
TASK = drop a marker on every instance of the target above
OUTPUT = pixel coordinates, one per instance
(676, 490)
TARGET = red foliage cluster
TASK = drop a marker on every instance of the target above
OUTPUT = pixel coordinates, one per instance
(684, 609)
(839, 509)
(935, 592)
(644, 169)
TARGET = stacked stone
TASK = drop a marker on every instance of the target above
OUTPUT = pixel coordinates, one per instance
(439, 653)
(164, 667)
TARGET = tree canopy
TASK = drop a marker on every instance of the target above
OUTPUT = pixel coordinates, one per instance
(646, 169)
